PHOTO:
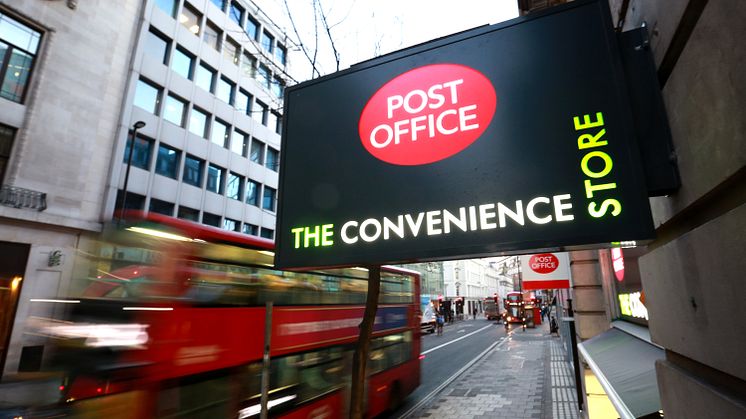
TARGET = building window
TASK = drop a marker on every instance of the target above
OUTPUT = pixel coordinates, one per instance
(157, 45)
(220, 133)
(269, 198)
(167, 163)
(281, 53)
(161, 207)
(252, 193)
(7, 134)
(212, 36)
(220, 4)
(236, 13)
(264, 76)
(267, 42)
(204, 77)
(231, 51)
(224, 90)
(147, 96)
(133, 201)
(174, 110)
(211, 219)
(190, 18)
(141, 153)
(268, 233)
(168, 6)
(278, 87)
(278, 124)
(187, 213)
(250, 229)
(231, 225)
(198, 122)
(193, 168)
(248, 64)
(257, 151)
(183, 63)
(273, 159)
(233, 186)
(252, 28)
(215, 176)
(261, 114)
(243, 101)
(240, 143)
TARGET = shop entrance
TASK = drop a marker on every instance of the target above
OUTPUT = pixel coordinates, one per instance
(13, 257)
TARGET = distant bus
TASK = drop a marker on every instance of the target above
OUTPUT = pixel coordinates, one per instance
(492, 308)
(168, 318)
(513, 307)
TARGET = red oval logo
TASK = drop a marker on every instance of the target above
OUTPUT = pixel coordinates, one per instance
(427, 114)
(544, 263)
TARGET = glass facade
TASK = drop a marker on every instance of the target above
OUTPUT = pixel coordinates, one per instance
(193, 168)
(182, 63)
(147, 96)
(257, 152)
(215, 179)
(198, 123)
(252, 193)
(269, 199)
(155, 44)
(173, 111)
(167, 163)
(204, 77)
(233, 186)
(220, 132)
(140, 154)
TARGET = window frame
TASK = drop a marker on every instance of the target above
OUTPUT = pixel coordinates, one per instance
(176, 163)
(200, 171)
(184, 106)
(192, 61)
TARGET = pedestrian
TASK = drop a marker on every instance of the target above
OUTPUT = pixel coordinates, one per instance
(475, 313)
(439, 323)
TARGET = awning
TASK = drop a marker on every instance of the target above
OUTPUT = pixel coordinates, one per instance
(625, 366)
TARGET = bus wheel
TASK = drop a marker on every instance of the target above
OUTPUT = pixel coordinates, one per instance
(395, 396)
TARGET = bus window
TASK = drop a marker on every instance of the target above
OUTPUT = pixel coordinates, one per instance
(205, 396)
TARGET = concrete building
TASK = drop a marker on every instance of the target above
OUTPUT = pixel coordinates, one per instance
(60, 108)
(206, 77)
(677, 303)
(470, 280)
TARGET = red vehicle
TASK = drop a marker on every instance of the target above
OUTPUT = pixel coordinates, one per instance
(171, 318)
(513, 307)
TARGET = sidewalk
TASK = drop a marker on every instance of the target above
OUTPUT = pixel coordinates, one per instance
(524, 376)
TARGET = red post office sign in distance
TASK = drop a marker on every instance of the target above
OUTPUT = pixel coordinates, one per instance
(427, 114)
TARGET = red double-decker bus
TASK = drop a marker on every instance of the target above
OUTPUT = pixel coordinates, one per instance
(513, 307)
(168, 318)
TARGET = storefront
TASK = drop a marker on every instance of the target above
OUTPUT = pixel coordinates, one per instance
(622, 359)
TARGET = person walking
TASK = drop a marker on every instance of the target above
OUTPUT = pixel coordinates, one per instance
(439, 323)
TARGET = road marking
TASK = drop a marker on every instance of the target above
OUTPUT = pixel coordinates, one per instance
(450, 379)
(455, 340)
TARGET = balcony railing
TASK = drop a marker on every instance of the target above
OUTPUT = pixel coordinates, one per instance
(12, 196)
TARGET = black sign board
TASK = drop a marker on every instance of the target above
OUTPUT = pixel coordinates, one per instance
(501, 139)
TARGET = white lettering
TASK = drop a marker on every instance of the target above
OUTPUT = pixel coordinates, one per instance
(530, 210)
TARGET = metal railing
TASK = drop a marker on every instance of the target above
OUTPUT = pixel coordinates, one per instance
(12, 196)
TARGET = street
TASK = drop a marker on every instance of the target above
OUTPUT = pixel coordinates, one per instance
(445, 356)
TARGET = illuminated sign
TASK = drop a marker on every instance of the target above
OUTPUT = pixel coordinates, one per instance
(427, 114)
(632, 305)
(498, 140)
(545, 271)
(617, 261)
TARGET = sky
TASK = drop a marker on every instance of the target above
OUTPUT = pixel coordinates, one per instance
(364, 29)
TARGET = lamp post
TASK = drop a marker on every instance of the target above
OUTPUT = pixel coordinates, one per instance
(135, 127)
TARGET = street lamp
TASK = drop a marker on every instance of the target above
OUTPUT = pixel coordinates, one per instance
(135, 127)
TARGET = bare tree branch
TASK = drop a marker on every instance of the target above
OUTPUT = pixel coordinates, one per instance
(329, 34)
(314, 70)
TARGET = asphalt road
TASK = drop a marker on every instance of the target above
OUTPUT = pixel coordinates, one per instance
(446, 355)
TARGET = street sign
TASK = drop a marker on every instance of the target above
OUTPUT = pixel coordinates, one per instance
(498, 140)
(545, 271)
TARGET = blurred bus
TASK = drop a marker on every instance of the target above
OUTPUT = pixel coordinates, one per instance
(168, 318)
(513, 307)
